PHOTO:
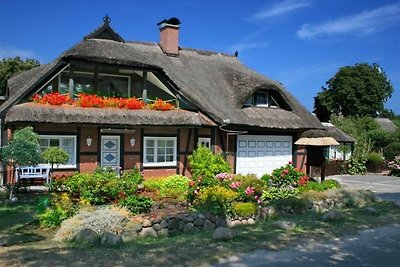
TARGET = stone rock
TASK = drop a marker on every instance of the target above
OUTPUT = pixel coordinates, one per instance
(163, 232)
(199, 222)
(339, 205)
(261, 216)
(244, 221)
(208, 225)
(189, 227)
(269, 210)
(148, 232)
(333, 215)
(372, 211)
(157, 227)
(201, 216)
(190, 217)
(110, 239)
(127, 237)
(146, 223)
(220, 221)
(251, 221)
(285, 225)
(87, 236)
(234, 223)
(174, 224)
(223, 233)
(163, 224)
(133, 226)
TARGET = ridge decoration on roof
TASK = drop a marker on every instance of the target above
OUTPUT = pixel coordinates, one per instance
(105, 32)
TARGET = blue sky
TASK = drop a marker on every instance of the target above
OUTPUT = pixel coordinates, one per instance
(301, 43)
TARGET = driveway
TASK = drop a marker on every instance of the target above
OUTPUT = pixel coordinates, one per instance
(386, 187)
(372, 247)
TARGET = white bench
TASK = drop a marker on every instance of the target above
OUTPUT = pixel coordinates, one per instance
(32, 172)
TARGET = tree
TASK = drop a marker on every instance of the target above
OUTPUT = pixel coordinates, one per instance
(23, 150)
(12, 66)
(55, 155)
(359, 90)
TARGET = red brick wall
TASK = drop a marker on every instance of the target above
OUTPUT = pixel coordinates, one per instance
(169, 40)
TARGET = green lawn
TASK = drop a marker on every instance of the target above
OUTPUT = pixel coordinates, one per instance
(183, 250)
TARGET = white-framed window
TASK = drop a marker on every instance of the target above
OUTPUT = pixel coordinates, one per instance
(261, 98)
(159, 151)
(66, 142)
(205, 141)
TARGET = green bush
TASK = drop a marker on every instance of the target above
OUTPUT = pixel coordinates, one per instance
(207, 164)
(275, 193)
(356, 165)
(100, 187)
(394, 166)
(52, 212)
(286, 176)
(244, 209)
(175, 186)
(216, 199)
(323, 186)
(248, 187)
(379, 139)
(375, 158)
(54, 155)
(391, 151)
(137, 204)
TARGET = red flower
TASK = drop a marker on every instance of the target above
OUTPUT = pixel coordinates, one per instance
(159, 104)
(304, 180)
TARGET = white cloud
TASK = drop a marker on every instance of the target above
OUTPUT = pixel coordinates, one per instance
(9, 52)
(248, 46)
(281, 8)
(365, 22)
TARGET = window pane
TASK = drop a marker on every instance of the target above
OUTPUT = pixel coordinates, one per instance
(169, 150)
(160, 151)
(149, 158)
(249, 101)
(55, 142)
(161, 158)
(261, 98)
(113, 86)
(83, 83)
(150, 143)
(170, 143)
(161, 143)
(44, 142)
(150, 150)
(169, 158)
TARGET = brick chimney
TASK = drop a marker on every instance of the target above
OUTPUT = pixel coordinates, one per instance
(169, 36)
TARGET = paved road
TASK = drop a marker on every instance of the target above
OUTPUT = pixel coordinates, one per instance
(386, 187)
(373, 247)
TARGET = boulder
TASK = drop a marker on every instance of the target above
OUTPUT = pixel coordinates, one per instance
(133, 226)
(163, 232)
(148, 232)
(199, 222)
(87, 236)
(110, 239)
(189, 227)
(251, 221)
(208, 225)
(223, 233)
(333, 215)
(284, 225)
(146, 223)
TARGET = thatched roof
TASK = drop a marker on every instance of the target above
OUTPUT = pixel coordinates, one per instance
(216, 83)
(42, 113)
(338, 134)
(318, 137)
(386, 124)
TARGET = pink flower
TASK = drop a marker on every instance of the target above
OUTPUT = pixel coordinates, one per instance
(285, 171)
(235, 185)
(290, 162)
(249, 190)
(259, 201)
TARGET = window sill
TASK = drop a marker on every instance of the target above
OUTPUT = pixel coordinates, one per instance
(159, 164)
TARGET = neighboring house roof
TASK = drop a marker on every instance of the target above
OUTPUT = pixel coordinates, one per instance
(216, 83)
(386, 124)
(338, 134)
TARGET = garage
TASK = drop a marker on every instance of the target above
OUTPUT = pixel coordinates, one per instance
(260, 154)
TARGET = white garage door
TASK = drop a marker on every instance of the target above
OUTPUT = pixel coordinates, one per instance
(261, 154)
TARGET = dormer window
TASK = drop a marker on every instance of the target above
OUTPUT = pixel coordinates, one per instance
(261, 98)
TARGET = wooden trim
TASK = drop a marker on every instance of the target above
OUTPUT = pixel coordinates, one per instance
(122, 151)
(141, 148)
(78, 149)
(196, 138)
(224, 149)
(76, 132)
(187, 151)
(213, 139)
(98, 146)
(132, 153)
(160, 135)
(88, 153)
(178, 149)
(235, 154)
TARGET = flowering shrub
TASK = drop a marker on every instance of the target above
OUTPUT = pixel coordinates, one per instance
(159, 104)
(395, 166)
(216, 199)
(287, 176)
(94, 101)
(55, 99)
